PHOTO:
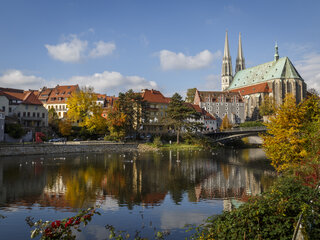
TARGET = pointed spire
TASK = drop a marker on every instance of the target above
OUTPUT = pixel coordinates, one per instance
(226, 65)
(226, 47)
(276, 55)
(240, 65)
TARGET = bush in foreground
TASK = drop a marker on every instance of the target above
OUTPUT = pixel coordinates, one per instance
(274, 215)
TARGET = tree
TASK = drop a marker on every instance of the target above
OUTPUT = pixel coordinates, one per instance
(83, 109)
(284, 142)
(81, 104)
(177, 114)
(65, 127)
(116, 122)
(190, 95)
(95, 123)
(53, 119)
(267, 106)
(225, 123)
(134, 108)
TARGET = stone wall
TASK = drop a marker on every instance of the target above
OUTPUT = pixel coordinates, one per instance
(31, 149)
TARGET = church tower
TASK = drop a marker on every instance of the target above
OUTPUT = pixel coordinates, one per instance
(240, 59)
(226, 75)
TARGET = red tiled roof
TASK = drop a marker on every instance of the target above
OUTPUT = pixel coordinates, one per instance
(201, 111)
(61, 92)
(31, 98)
(26, 97)
(154, 96)
(258, 88)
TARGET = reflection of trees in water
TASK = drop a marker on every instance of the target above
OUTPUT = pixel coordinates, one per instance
(131, 179)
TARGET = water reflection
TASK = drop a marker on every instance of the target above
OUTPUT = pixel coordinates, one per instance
(79, 181)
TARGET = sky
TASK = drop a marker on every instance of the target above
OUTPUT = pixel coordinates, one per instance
(168, 45)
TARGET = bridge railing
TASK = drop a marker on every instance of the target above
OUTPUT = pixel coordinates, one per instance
(247, 129)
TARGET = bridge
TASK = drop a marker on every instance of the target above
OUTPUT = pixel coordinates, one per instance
(234, 134)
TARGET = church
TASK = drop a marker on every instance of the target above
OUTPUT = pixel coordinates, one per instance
(275, 79)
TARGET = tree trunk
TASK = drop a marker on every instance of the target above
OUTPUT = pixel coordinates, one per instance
(178, 136)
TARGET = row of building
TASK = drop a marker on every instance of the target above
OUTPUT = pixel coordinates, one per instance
(30, 108)
(241, 96)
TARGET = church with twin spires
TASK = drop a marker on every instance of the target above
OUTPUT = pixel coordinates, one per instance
(275, 79)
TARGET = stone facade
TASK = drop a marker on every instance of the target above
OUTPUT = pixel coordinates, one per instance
(219, 104)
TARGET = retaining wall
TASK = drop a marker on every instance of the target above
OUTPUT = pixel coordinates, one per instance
(31, 149)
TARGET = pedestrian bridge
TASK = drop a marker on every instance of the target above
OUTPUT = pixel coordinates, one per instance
(234, 134)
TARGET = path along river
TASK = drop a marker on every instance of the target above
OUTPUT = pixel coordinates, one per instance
(149, 191)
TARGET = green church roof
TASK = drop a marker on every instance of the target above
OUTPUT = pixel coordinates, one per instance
(282, 68)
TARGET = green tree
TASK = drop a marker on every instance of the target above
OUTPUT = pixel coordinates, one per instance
(133, 107)
(190, 95)
(225, 123)
(53, 119)
(267, 106)
(177, 114)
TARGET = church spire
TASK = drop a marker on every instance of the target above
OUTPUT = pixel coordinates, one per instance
(240, 65)
(276, 55)
(226, 66)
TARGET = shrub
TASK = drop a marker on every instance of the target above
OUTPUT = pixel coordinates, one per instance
(14, 130)
(157, 141)
(271, 216)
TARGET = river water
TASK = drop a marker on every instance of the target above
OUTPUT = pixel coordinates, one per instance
(147, 192)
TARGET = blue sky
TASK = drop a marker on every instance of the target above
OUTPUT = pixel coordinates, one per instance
(169, 45)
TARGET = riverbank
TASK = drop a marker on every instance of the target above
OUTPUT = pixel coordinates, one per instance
(68, 147)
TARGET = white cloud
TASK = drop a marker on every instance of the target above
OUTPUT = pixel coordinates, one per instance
(70, 51)
(102, 49)
(212, 83)
(112, 82)
(309, 69)
(17, 79)
(172, 61)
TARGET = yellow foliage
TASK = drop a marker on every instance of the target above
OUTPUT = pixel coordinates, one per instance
(225, 123)
(283, 143)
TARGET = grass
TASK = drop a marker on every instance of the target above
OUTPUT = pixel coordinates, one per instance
(176, 146)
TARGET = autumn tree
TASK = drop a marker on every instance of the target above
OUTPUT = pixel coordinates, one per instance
(84, 109)
(177, 114)
(190, 95)
(65, 127)
(225, 123)
(267, 106)
(116, 121)
(284, 142)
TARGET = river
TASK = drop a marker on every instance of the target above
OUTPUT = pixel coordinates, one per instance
(147, 192)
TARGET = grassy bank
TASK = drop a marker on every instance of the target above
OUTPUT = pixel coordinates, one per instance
(182, 146)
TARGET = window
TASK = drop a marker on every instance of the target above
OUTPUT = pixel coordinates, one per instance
(38, 114)
(10, 109)
(24, 114)
(18, 114)
(28, 114)
(33, 114)
(43, 115)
